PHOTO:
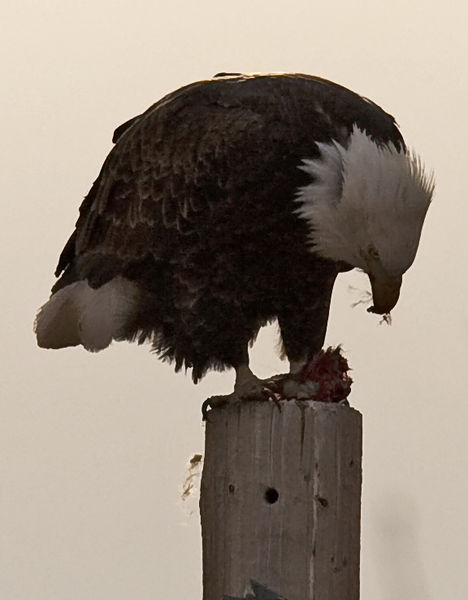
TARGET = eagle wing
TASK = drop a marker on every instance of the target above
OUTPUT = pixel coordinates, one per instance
(199, 151)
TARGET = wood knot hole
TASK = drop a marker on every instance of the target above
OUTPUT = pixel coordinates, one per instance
(323, 501)
(231, 488)
(271, 496)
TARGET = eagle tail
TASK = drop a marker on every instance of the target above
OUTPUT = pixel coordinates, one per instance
(79, 314)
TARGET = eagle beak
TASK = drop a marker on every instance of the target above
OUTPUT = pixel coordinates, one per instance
(385, 292)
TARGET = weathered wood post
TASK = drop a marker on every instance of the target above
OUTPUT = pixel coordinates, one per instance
(280, 501)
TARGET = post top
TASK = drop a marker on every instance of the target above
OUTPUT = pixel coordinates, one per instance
(282, 407)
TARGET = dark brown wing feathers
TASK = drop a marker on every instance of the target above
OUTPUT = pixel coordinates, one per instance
(201, 149)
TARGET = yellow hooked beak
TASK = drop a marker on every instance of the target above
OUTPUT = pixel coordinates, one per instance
(385, 291)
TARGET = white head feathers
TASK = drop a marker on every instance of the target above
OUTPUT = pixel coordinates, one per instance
(365, 198)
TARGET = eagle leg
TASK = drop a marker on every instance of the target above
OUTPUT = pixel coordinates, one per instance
(247, 388)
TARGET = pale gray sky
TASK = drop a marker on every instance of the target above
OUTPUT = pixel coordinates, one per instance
(94, 447)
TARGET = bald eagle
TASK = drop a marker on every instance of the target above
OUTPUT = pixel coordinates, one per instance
(228, 204)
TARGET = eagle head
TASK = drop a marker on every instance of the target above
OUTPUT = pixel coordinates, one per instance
(366, 206)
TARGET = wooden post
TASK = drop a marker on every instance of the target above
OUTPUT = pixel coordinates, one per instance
(280, 501)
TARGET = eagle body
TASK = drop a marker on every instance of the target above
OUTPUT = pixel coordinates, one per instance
(228, 204)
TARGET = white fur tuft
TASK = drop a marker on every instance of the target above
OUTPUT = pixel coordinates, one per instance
(365, 195)
(79, 314)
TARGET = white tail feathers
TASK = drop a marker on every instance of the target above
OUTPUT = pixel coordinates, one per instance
(79, 314)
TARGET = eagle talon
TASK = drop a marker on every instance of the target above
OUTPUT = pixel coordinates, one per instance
(276, 401)
(213, 402)
(260, 391)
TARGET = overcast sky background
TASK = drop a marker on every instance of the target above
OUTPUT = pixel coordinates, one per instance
(93, 448)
